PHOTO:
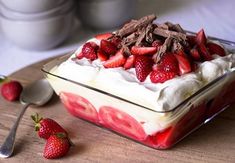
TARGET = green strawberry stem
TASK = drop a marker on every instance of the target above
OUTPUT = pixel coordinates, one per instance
(36, 118)
(2, 78)
(63, 135)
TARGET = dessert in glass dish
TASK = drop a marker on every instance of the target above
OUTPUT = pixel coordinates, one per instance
(153, 83)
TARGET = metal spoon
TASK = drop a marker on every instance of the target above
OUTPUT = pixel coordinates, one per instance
(37, 93)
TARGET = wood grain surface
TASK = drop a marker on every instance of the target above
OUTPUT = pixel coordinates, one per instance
(213, 142)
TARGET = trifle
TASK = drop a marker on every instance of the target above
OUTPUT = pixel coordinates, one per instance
(151, 82)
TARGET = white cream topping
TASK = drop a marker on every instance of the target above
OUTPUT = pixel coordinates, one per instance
(123, 83)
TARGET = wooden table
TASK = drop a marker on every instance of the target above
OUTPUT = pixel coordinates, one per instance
(214, 142)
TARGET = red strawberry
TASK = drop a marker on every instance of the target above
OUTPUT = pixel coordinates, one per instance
(129, 62)
(160, 76)
(89, 50)
(161, 139)
(201, 37)
(79, 106)
(195, 54)
(157, 44)
(57, 146)
(191, 40)
(204, 52)
(101, 55)
(115, 61)
(108, 47)
(184, 64)
(121, 122)
(143, 66)
(46, 127)
(116, 41)
(79, 55)
(136, 50)
(215, 49)
(11, 90)
(168, 63)
(103, 36)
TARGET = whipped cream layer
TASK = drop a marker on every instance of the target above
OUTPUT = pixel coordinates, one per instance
(123, 83)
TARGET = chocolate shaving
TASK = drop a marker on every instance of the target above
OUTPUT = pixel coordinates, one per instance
(131, 39)
(163, 26)
(167, 33)
(163, 49)
(134, 25)
(176, 46)
(148, 33)
(126, 51)
(174, 27)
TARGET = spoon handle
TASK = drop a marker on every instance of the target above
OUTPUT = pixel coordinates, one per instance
(7, 148)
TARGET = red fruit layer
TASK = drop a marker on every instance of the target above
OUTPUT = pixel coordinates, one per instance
(79, 106)
(121, 122)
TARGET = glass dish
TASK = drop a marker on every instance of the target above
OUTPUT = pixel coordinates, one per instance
(107, 110)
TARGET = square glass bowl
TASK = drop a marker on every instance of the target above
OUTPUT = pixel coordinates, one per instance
(134, 121)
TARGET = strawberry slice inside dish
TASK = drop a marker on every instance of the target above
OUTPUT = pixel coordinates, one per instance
(121, 122)
(79, 106)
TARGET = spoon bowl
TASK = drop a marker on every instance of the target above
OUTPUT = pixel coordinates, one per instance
(37, 93)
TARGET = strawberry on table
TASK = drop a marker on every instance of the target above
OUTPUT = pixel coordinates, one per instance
(11, 90)
(57, 146)
(46, 127)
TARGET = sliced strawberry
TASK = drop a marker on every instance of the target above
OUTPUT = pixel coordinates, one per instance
(79, 106)
(136, 50)
(191, 40)
(161, 139)
(184, 64)
(143, 66)
(201, 37)
(116, 41)
(130, 62)
(101, 55)
(79, 55)
(204, 52)
(215, 49)
(108, 47)
(169, 63)
(121, 122)
(160, 76)
(157, 44)
(115, 61)
(89, 50)
(194, 53)
(104, 36)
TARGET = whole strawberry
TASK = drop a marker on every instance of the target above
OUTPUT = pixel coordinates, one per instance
(11, 90)
(57, 146)
(46, 127)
